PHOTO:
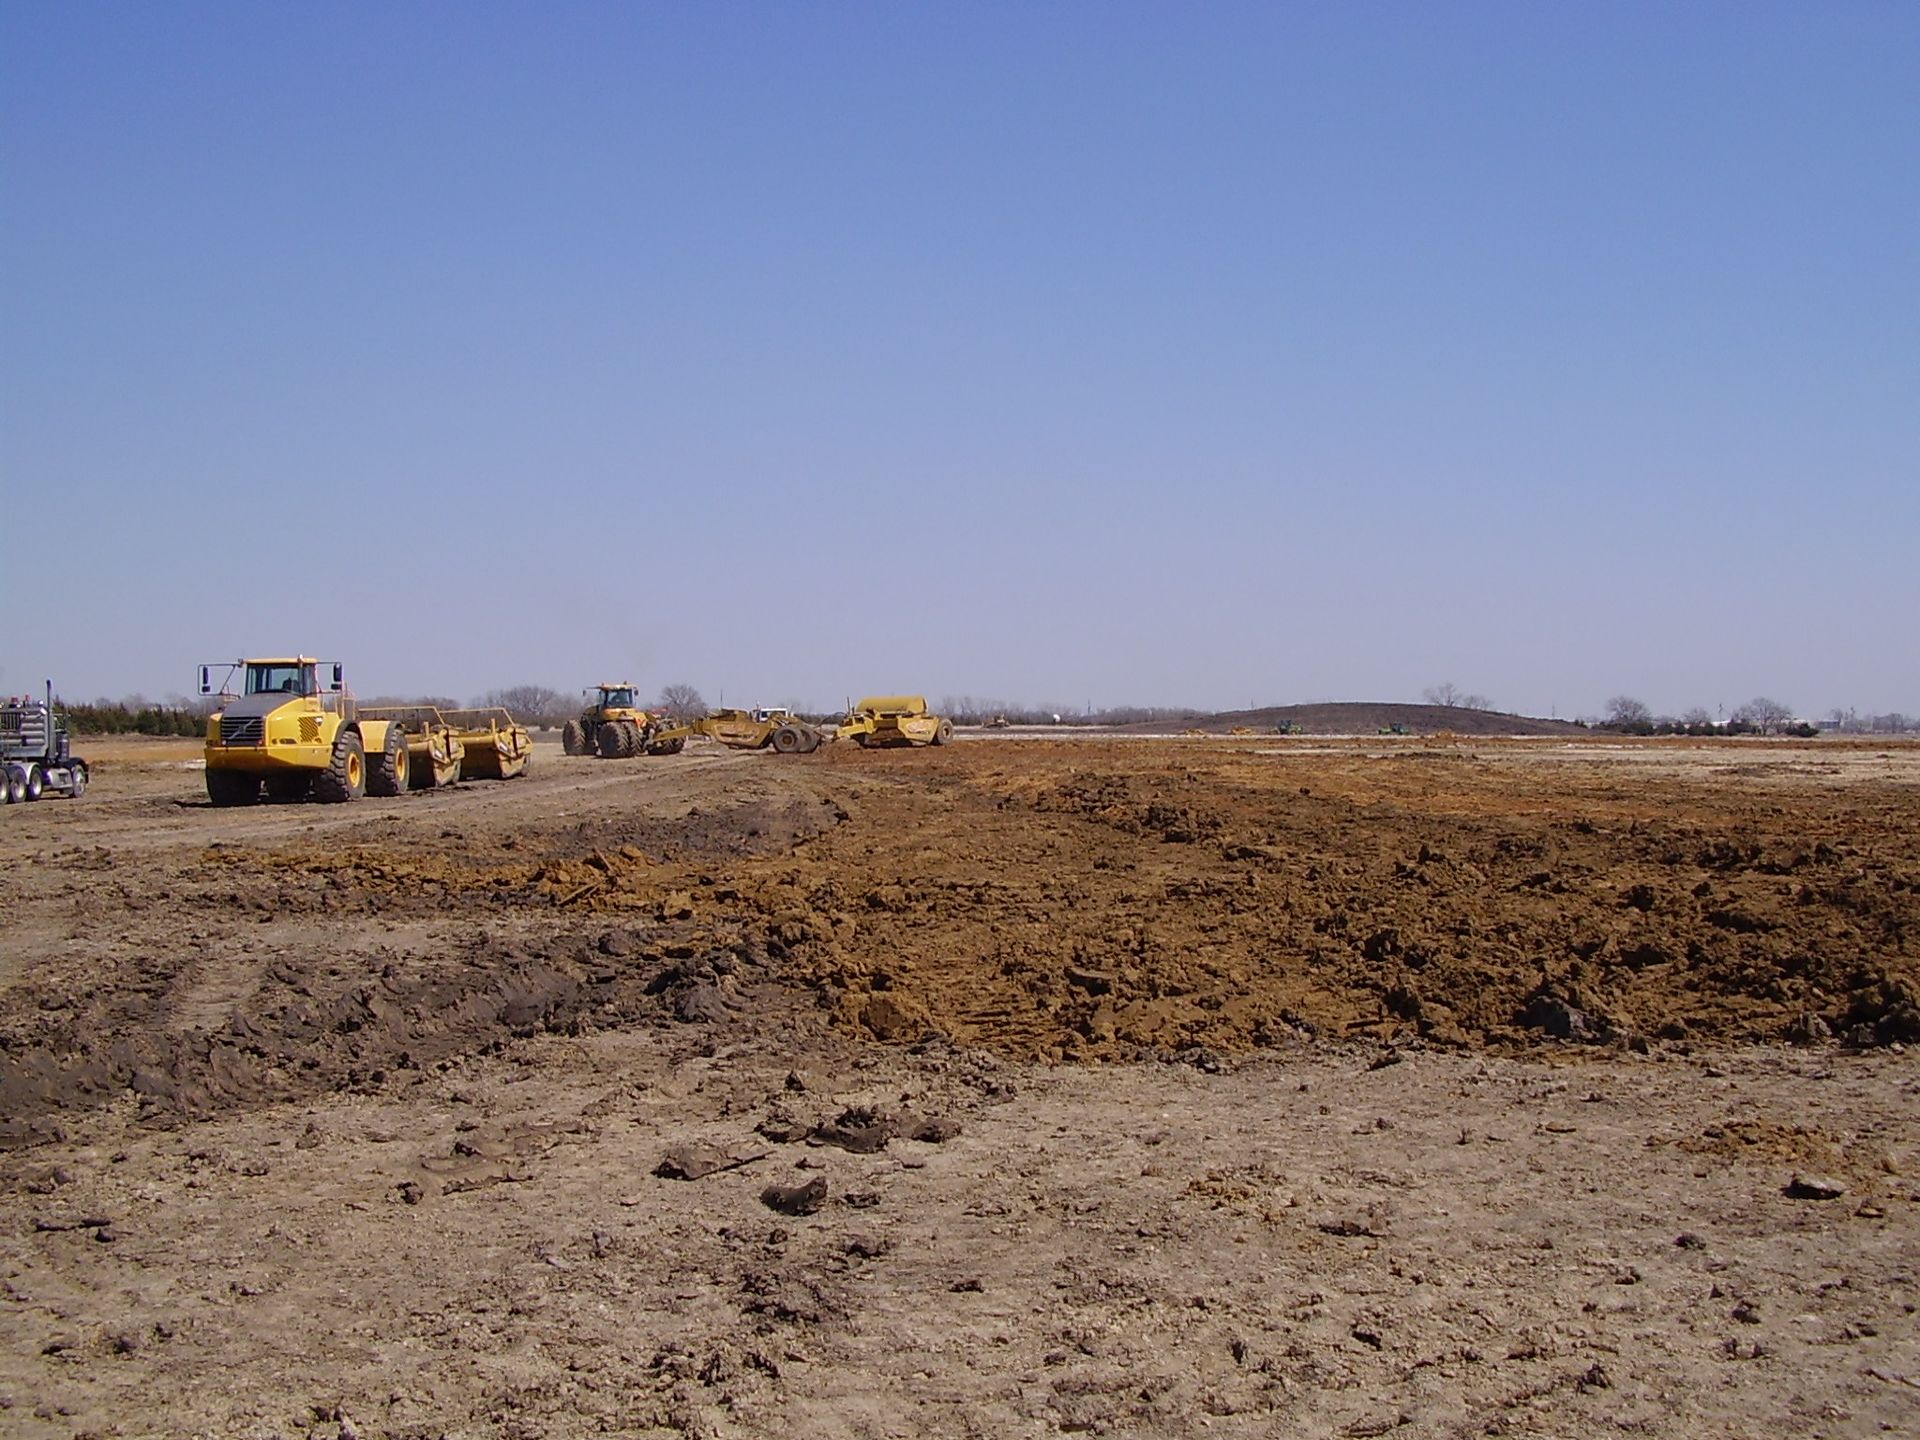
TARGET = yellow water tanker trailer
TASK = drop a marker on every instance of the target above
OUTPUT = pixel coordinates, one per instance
(289, 728)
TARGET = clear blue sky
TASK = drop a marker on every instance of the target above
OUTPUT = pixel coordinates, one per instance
(1073, 352)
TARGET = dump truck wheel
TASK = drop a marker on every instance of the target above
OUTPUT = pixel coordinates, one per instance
(13, 787)
(573, 739)
(77, 779)
(787, 740)
(233, 787)
(346, 778)
(387, 775)
(36, 782)
(945, 733)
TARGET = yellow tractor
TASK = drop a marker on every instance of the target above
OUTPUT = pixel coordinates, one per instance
(894, 720)
(291, 729)
(616, 727)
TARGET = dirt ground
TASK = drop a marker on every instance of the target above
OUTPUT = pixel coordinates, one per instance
(1276, 1087)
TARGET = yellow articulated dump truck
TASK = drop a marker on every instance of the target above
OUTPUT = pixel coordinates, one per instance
(290, 728)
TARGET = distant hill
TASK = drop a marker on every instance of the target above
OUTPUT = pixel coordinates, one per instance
(1363, 718)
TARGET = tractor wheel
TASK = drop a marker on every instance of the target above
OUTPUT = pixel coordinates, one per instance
(387, 775)
(574, 739)
(787, 740)
(633, 740)
(346, 777)
(294, 785)
(36, 782)
(77, 779)
(233, 787)
(608, 740)
(944, 733)
(668, 747)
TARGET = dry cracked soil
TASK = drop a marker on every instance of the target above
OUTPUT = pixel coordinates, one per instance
(1027, 1086)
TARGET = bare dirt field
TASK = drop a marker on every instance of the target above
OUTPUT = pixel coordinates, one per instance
(1278, 1087)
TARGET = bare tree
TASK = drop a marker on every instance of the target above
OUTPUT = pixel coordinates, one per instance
(682, 702)
(1452, 697)
(530, 704)
(1626, 713)
(1698, 718)
(1764, 715)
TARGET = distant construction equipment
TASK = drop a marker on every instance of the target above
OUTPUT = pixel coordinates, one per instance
(616, 729)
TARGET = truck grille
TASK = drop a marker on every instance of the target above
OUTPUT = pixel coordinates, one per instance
(245, 730)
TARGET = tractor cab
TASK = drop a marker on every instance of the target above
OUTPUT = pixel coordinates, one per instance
(617, 697)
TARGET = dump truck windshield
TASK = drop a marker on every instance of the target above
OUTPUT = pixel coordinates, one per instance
(279, 679)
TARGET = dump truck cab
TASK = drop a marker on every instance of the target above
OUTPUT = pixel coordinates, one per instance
(289, 726)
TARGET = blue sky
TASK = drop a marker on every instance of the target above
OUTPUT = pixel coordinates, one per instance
(1072, 353)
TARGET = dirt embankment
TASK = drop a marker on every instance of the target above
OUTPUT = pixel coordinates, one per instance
(1366, 718)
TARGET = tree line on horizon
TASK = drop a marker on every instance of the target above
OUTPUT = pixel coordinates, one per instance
(541, 707)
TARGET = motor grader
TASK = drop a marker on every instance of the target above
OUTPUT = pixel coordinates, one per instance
(616, 727)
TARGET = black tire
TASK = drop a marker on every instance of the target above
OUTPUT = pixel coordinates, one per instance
(632, 740)
(610, 740)
(668, 747)
(788, 740)
(36, 782)
(77, 779)
(294, 785)
(573, 739)
(232, 787)
(387, 773)
(345, 777)
(943, 732)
